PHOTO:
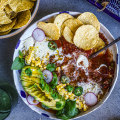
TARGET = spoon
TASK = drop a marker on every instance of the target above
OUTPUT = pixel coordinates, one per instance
(107, 46)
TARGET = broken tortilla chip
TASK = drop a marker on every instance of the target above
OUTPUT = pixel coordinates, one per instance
(50, 29)
(68, 35)
(4, 28)
(59, 19)
(22, 19)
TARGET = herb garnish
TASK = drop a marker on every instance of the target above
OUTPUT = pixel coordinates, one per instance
(18, 63)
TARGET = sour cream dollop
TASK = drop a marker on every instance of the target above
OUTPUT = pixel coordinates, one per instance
(82, 62)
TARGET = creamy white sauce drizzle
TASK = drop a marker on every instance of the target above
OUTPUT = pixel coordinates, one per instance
(84, 60)
(84, 65)
(102, 65)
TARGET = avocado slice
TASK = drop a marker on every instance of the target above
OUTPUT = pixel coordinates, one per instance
(40, 90)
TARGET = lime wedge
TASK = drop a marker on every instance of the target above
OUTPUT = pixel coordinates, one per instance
(5, 102)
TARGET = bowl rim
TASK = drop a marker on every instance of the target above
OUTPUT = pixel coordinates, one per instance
(117, 63)
(25, 26)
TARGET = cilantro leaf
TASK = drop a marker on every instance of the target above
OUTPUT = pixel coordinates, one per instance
(20, 54)
(54, 81)
(18, 64)
(69, 111)
(51, 67)
(28, 71)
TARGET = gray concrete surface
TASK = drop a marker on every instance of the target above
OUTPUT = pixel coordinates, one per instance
(110, 110)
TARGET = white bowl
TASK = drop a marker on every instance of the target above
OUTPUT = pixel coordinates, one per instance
(14, 32)
(16, 73)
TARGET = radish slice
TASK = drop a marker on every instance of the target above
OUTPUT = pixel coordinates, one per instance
(31, 100)
(47, 76)
(90, 99)
(38, 35)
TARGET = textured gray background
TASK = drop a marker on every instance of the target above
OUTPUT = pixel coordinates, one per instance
(110, 110)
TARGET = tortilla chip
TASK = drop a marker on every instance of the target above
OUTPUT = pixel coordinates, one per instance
(23, 5)
(89, 19)
(100, 44)
(4, 19)
(22, 19)
(68, 35)
(86, 37)
(50, 29)
(31, 10)
(10, 13)
(60, 19)
(4, 2)
(4, 33)
(7, 27)
(72, 23)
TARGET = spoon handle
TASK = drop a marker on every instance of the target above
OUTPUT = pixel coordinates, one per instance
(110, 44)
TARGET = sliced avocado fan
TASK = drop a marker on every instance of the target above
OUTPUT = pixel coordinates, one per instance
(33, 83)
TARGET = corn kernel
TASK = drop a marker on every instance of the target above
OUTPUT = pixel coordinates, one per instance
(44, 67)
(32, 64)
(57, 51)
(66, 93)
(33, 61)
(85, 107)
(77, 105)
(40, 66)
(58, 69)
(69, 93)
(59, 88)
(37, 63)
(66, 97)
(81, 104)
(77, 101)
(60, 58)
(71, 97)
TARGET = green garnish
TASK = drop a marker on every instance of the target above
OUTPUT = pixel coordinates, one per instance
(69, 88)
(65, 79)
(78, 91)
(54, 81)
(58, 104)
(52, 45)
(47, 88)
(18, 63)
(20, 54)
(69, 111)
(54, 95)
(41, 74)
(42, 84)
(28, 71)
(51, 67)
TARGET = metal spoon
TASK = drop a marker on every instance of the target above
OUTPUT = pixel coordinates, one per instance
(110, 44)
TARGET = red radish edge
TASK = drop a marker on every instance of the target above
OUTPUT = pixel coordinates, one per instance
(49, 75)
(30, 100)
(38, 35)
(90, 98)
